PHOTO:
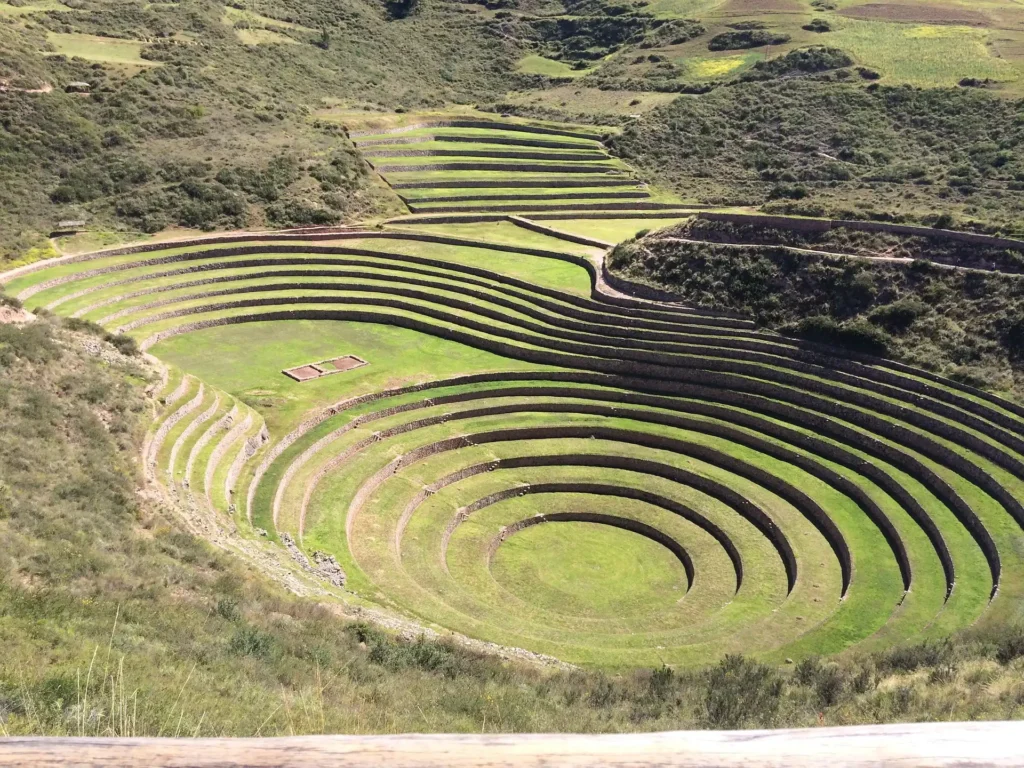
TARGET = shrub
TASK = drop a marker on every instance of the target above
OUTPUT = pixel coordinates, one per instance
(227, 608)
(395, 654)
(9, 301)
(817, 58)
(857, 335)
(830, 686)
(898, 316)
(789, 191)
(84, 326)
(912, 657)
(818, 25)
(249, 641)
(33, 342)
(746, 38)
(661, 682)
(741, 693)
(124, 344)
(807, 670)
(1010, 646)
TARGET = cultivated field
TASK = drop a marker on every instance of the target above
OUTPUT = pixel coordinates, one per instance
(532, 458)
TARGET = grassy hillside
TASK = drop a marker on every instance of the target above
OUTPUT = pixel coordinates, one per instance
(211, 127)
(204, 115)
(817, 147)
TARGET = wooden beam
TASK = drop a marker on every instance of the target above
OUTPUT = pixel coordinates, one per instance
(925, 745)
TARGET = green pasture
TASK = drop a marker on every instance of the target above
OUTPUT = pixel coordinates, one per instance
(922, 49)
(511, 194)
(226, 358)
(539, 65)
(610, 230)
(108, 50)
(925, 55)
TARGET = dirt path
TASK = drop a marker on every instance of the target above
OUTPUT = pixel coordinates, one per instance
(4, 87)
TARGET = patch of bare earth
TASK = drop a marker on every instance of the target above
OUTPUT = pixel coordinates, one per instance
(5, 85)
(302, 373)
(9, 315)
(760, 7)
(919, 13)
(347, 363)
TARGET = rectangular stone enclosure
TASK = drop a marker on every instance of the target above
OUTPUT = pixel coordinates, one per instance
(315, 370)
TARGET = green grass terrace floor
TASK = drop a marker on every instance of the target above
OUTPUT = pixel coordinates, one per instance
(528, 461)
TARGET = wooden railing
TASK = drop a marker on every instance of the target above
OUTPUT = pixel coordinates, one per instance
(930, 744)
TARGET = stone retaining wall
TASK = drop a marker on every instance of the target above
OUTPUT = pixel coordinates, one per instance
(633, 195)
(637, 289)
(623, 181)
(751, 512)
(497, 154)
(811, 444)
(168, 425)
(557, 233)
(623, 210)
(506, 140)
(232, 428)
(573, 168)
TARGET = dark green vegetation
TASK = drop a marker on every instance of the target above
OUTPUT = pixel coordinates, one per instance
(745, 38)
(963, 323)
(841, 150)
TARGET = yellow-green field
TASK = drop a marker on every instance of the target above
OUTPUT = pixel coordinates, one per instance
(108, 50)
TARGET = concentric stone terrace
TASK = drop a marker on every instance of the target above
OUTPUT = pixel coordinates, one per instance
(477, 164)
(532, 459)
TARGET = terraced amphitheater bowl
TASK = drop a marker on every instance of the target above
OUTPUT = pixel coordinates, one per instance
(525, 457)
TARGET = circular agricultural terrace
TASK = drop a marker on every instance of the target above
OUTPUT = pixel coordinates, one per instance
(525, 457)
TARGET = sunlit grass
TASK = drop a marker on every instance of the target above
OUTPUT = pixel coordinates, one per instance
(926, 55)
(103, 49)
(539, 65)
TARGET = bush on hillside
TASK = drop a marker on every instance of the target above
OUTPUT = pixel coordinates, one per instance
(746, 38)
(818, 25)
(741, 693)
(857, 335)
(800, 62)
(898, 316)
